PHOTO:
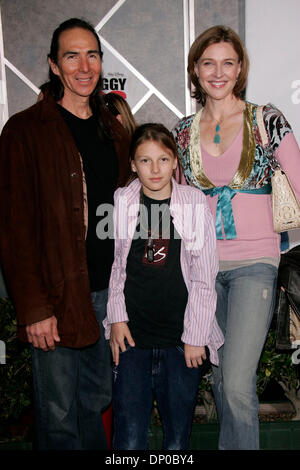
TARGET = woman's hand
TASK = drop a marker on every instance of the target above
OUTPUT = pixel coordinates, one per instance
(194, 355)
(119, 332)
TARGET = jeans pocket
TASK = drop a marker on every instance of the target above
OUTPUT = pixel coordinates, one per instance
(128, 347)
(115, 368)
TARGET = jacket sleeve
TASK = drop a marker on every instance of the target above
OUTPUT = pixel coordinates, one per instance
(200, 325)
(116, 308)
(20, 219)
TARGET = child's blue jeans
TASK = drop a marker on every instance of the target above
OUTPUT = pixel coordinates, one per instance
(143, 374)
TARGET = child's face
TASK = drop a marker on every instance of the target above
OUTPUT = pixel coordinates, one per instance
(154, 163)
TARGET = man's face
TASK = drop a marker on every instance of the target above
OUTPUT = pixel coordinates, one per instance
(78, 63)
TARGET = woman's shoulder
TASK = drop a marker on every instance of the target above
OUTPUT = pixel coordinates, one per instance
(275, 122)
(270, 109)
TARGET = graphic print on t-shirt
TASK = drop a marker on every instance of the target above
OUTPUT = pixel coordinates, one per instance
(161, 250)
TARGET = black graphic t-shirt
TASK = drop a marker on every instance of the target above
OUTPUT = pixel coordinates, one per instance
(155, 292)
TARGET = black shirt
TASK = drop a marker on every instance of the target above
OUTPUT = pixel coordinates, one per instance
(155, 293)
(100, 166)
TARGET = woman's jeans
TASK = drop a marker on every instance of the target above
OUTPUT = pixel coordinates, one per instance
(72, 387)
(244, 311)
(143, 374)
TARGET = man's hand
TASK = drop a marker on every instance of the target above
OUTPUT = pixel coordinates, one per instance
(42, 334)
(119, 332)
(194, 355)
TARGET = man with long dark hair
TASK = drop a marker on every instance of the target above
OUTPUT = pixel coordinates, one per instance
(61, 159)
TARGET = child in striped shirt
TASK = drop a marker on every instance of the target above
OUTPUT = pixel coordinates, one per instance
(161, 309)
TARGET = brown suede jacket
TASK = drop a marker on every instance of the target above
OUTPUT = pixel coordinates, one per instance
(42, 233)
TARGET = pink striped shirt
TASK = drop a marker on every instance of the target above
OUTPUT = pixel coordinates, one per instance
(199, 263)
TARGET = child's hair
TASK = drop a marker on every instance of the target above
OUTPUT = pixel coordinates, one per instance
(152, 131)
(118, 105)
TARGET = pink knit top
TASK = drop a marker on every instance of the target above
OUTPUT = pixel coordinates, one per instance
(252, 213)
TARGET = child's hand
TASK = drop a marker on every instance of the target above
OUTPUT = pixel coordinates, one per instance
(119, 331)
(194, 355)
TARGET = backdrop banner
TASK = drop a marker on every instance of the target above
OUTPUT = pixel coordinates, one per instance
(272, 40)
(119, 79)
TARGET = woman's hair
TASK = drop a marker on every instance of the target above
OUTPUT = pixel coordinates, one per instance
(118, 105)
(214, 35)
(55, 86)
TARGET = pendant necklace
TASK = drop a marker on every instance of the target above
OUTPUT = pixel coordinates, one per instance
(217, 137)
(150, 242)
(150, 249)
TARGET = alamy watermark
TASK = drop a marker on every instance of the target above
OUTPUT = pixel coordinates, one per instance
(2, 352)
(133, 222)
(296, 94)
(296, 356)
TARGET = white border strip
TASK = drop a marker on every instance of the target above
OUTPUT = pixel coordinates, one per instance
(141, 78)
(189, 36)
(107, 17)
(192, 20)
(186, 40)
(3, 90)
(21, 76)
(142, 101)
(192, 39)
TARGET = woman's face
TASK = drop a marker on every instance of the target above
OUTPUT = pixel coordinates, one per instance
(218, 69)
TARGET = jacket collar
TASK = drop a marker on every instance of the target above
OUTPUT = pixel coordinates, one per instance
(48, 108)
(177, 210)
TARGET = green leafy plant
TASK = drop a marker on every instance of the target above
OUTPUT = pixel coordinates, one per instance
(272, 366)
(205, 396)
(280, 367)
(15, 374)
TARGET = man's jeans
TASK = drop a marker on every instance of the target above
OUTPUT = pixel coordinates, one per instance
(72, 387)
(143, 374)
(244, 312)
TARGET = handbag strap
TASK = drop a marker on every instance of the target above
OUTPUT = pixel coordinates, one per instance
(265, 139)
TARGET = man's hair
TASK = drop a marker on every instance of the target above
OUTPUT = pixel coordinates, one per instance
(55, 85)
